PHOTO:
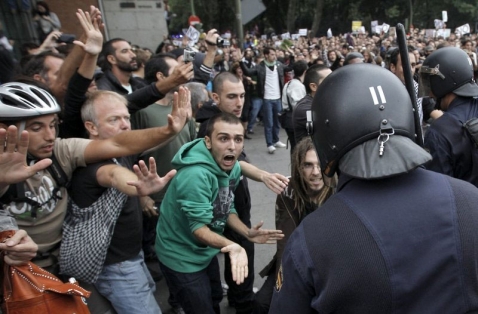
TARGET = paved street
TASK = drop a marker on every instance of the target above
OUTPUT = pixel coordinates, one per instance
(263, 201)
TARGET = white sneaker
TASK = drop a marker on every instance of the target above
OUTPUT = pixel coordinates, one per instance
(279, 144)
(271, 149)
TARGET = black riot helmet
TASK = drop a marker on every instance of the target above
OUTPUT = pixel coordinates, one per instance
(363, 124)
(445, 71)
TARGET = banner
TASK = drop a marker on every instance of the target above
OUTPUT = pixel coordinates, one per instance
(439, 24)
(303, 32)
(285, 36)
(373, 27)
(464, 29)
(329, 33)
(385, 27)
(356, 25)
(444, 32)
(392, 32)
(193, 35)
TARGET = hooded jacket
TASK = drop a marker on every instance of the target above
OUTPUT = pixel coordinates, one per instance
(200, 194)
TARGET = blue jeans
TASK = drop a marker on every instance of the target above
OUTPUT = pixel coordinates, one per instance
(256, 106)
(271, 109)
(199, 292)
(129, 286)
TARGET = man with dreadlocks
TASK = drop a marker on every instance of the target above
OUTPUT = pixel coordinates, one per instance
(306, 191)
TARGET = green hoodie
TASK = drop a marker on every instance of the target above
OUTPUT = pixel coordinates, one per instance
(201, 193)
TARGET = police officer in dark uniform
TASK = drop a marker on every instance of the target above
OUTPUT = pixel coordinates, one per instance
(447, 75)
(395, 238)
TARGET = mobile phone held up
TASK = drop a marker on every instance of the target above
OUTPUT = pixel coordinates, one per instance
(66, 38)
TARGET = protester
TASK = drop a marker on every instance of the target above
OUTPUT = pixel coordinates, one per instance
(89, 192)
(46, 21)
(305, 193)
(41, 215)
(292, 93)
(270, 75)
(193, 215)
(228, 98)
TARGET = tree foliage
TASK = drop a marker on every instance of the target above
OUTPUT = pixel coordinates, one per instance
(319, 15)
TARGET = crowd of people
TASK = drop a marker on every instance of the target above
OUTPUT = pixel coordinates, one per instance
(141, 155)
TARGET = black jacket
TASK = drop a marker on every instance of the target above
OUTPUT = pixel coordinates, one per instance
(109, 82)
(450, 145)
(260, 71)
(405, 244)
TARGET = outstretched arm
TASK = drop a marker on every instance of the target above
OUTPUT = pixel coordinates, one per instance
(72, 126)
(147, 95)
(13, 158)
(72, 61)
(92, 45)
(142, 182)
(274, 181)
(236, 252)
(255, 234)
(148, 179)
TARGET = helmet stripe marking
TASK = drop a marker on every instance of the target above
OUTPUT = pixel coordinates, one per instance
(374, 95)
(382, 95)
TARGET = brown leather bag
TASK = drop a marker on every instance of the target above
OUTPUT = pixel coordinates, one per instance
(31, 289)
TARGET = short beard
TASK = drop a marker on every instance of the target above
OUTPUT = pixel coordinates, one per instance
(127, 67)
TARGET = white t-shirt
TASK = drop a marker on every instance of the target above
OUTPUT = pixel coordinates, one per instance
(295, 90)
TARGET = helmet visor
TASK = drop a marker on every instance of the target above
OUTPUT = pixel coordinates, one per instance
(424, 89)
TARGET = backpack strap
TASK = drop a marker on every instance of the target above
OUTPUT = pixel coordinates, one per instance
(287, 95)
(16, 192)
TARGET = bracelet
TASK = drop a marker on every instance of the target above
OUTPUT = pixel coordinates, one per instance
(210, 43)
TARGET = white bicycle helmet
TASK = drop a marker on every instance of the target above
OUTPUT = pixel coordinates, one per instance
(20, 101)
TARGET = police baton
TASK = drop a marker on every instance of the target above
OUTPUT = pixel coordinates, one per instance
(407, 73)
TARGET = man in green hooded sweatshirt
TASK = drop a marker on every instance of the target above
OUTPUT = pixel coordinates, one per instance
(196, 208)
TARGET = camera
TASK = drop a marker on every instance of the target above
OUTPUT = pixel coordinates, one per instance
(189, 55)
(66, 38)
(221, 42)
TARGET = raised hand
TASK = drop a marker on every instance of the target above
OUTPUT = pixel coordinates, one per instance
(181, 74)
(239, 263)
(13, 157)
(50, 41)
(211, 38)
(94, 39)
(181, 111)
(95, 14)
(258, 235)
(148, 179)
